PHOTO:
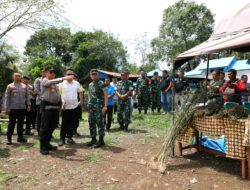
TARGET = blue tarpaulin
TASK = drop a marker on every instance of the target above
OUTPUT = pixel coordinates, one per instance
(214, 144)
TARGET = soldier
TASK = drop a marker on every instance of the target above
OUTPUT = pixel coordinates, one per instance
(31, 115)
(142, 92)
(124, 92)
(17, 101)
(37, 90)
(50, 105)
(155, 92)
(97, 106)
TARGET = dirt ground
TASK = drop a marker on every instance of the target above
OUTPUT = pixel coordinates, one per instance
(121, 165)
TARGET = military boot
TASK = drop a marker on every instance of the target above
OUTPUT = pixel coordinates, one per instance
(100, 143)
(139, 111)
(9, 140)
(145, 111)
(92, 142)
(121, 126)
(126, 128)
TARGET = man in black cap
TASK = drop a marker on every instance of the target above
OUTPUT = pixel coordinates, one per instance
(31, 115)
(50, 106)
(97, 106)
(124, 92)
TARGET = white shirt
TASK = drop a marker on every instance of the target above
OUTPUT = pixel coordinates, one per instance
(69, 92)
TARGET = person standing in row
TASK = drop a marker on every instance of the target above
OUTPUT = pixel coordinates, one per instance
(80, 95)
(124, 92)
(31, 115)
(213, 87)
(97, 106)
(17, 102)
(142, 92)
(155, 93)
(166, 92)
(109, 114)
(180, 87)
(50, 106)
(37, 90)
(115, 98)
(69, 90)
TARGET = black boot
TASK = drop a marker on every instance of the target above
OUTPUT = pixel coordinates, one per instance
(92, 142)
(139, 111)
(126, 128)
(145, 111)
(159, 110)
(21, 140)
(100, 143)
(9, 141)
(121, 126)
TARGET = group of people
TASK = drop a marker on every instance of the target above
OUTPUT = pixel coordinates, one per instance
(232, 90)
(41, 104)
(158, 92)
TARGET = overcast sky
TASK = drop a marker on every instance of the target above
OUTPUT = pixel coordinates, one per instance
(127, 18)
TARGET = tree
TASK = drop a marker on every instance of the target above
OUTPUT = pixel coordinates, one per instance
(185, 25)
(8, 56)
(28, 14)
(38, 63)
(51, 42)
(99, 50)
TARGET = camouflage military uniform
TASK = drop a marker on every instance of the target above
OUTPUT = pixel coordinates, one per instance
(96, 103)
(155, 93)
(124, 106)
(142, 92)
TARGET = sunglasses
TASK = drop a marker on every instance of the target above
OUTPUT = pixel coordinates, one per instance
(93, 73)
(70, 74)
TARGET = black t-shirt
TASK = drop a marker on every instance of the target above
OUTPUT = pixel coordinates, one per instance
(165, 83)
(180, 85)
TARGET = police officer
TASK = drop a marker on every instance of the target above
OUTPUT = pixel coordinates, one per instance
(17, 101)
(37, 90)
(155, 92)
(124, 92)
(50, 105)
(31, 115)
(97, 105)
(142, 92)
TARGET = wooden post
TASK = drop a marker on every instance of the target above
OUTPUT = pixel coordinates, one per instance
(244, 169)
(179, 148)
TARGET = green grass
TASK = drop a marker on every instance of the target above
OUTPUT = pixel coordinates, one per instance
(3, 128)
(4, 176)
(94, 157)
(150, 120)
(23, 147)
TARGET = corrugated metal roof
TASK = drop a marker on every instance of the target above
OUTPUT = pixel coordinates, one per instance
(241, 65)
(220, 63)
(118, 75)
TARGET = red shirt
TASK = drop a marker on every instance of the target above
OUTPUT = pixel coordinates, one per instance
(233, 93)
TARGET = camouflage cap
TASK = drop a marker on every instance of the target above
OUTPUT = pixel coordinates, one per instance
(125, 72)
